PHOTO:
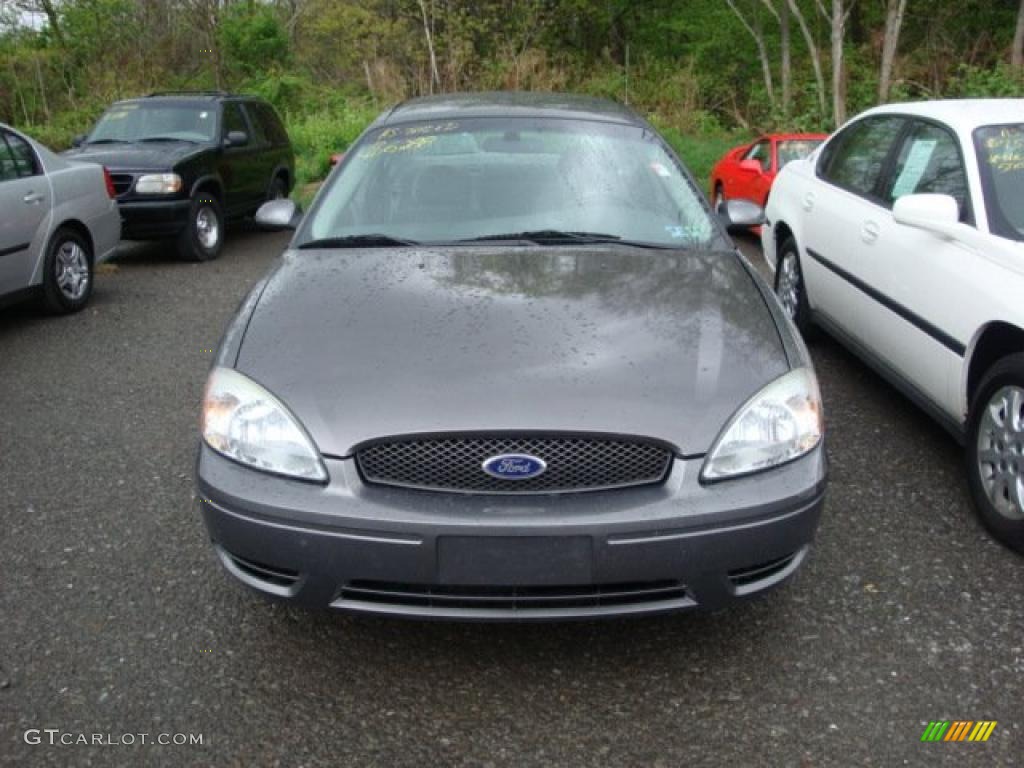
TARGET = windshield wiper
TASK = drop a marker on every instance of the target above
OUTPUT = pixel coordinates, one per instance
(358, 241)
(558, 236)
(107, 141)
(167, 138)
(546, 236)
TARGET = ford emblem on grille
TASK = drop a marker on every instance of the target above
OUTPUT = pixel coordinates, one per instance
(514, 466)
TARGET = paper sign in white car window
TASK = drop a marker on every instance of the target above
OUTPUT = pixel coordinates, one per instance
(914, 168)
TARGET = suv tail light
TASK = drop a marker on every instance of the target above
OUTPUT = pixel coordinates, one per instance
(109, 182)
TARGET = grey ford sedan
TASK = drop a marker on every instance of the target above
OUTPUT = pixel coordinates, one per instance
(511, 367)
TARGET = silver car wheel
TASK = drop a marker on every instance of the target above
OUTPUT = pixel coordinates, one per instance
(788, 286)
(207, 227)
(72, 270)
(1001, 451)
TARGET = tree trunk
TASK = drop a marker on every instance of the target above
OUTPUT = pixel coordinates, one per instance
(1017, 54)
(893, 22)
(838, 79)
(435, 78)
(42, 88)
(762, 52)
(51, 17)
(812, 50)
(787, 66)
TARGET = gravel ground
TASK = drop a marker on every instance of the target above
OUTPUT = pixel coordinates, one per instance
(115, 618)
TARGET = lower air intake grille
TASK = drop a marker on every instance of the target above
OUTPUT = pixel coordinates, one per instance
(455, 464)
(511, 598)
(744, 577)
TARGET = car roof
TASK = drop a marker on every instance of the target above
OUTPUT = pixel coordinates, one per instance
(187, 97)
(510, 104)
(794, 136)
(960, 114)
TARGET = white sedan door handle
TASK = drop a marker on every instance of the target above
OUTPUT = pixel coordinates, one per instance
(808, 201)
(869, 232)
(33, 197)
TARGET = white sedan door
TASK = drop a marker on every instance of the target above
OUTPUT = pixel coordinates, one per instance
(919, 276)
(25, 202)
(841, 224)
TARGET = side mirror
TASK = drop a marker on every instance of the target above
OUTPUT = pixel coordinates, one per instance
(236, 139)
(79, 140)
(740, 215)
(275, 215)
(754, 166)
(938, 214)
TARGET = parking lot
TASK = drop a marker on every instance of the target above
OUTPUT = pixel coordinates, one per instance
(115, 617)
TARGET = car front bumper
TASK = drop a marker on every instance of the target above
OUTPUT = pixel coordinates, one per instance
(153, 219)
(355, 547)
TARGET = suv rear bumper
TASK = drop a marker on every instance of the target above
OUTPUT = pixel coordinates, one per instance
(153, 219)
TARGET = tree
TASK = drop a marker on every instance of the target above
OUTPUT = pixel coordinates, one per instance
(1017, 52)
(787, 63)
(812, 51)
(435, 78)
(837, 21)
(893, 22)
(762, 50)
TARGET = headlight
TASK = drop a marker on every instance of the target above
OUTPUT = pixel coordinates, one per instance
(780, 423)
(244, 422)
(158, 184)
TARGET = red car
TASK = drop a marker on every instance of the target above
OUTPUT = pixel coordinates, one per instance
(748, 172)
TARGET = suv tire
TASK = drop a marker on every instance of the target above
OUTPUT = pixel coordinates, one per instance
(203, 235)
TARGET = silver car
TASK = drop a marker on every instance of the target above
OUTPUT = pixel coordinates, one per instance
(511, 367)
(58, 220)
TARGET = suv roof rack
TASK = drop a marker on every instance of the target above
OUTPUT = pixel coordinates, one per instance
(187, 93)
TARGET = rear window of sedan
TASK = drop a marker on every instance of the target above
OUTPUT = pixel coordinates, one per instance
(462, 179)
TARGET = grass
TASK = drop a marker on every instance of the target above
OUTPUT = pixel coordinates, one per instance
(699, 153)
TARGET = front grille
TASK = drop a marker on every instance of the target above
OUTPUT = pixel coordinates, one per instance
(455, 464)
(122, 182)
(507, 599)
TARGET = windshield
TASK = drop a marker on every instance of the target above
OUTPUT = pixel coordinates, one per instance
(487, 177)
(1000, 150)
(139, 122)
(795, 149)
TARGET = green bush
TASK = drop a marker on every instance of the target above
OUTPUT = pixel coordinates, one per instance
(986, 82)
(317, 136)
(252, 39)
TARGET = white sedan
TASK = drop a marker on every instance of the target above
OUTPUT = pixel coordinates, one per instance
(903, 237)
(58, 220)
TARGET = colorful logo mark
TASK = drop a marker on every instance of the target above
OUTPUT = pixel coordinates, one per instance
(958, 730)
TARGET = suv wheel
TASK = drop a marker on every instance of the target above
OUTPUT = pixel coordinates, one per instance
(789, 286)
(203, 236)
(995, 451)
(67, 272)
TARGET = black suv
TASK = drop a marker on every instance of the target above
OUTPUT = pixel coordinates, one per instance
(183, 162)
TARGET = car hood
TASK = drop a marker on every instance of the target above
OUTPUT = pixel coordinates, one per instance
(363, 344)
(145, 156)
